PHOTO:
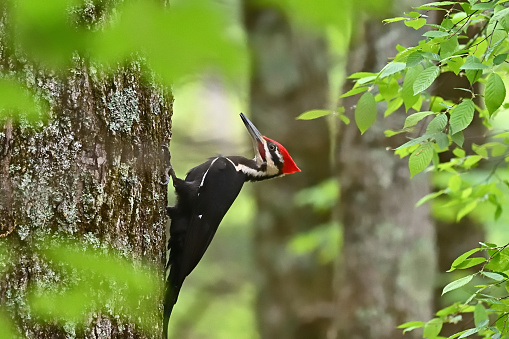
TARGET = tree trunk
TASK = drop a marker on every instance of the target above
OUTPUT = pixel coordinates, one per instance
(387, 269)
(92, 172)
(289, 77)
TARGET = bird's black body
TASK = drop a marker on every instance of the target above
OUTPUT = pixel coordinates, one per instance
(203, 199)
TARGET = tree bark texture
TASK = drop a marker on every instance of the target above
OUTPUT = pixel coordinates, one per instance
(92, 172)
(289, 76)
(387, 269)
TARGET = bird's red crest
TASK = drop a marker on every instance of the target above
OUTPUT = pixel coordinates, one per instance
(289, 165)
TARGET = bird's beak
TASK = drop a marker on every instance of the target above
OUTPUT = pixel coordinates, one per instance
(256, 138)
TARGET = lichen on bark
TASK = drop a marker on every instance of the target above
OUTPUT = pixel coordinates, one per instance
(91, 172)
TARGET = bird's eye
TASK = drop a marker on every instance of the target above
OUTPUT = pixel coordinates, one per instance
(272, 147)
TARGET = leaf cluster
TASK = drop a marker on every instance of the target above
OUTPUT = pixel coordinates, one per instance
(488, 295)
(437, 125)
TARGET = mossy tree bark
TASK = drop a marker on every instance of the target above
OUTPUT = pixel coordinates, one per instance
(92, 172)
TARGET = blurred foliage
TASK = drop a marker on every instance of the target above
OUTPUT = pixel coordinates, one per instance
(91, 282)
(323, 241)
(7, 330)
(322, 197)
(48, 34)
(16, 101)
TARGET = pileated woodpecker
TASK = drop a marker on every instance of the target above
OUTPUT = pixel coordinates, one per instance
(203, 199)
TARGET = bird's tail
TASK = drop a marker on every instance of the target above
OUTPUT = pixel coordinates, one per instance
(170, 298)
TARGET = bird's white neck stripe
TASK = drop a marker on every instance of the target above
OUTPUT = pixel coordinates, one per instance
(253, 172)
(211, 164)
(246, 169)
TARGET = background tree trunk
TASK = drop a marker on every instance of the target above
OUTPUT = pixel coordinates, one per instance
(289, 77)
(387, 268)
(92, 172)
(386, 271)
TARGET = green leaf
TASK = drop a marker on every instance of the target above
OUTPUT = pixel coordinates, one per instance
(458, 138)
(393, 106)
(437, 124)
(429, 5)
(392, 68)
(414, 59)
(432, 328)
(471, 160)
(448, 47)
(459, 153)
(407, 90)
(494, 276)
(416, 24)
(457, 284)
(472, 71)
(361, 75)
(499, 59)
(435, 34)
(449, 310)
(365, 112)
(413, 119)
(473, 63)
(442, 140)
(470, 262)
(425, 79)
(494, 93)
(413, 14)
(345, 119)
(461, 116)
(463, 257)
(323, 240)
(466, 209)
(484, 5)
(7, 328)
(420, 158)
(353, 91)
(389, 90)
(468, 333)
(412, 324)
(431, 56)
(413, 142)
(313, 114)
(390, 20)
(17, 101)
(94, 284)
(205, 46)
(454, 64)
(43, 30)
(454, 184)
(480, 150)
(500, 14)
(429, 197)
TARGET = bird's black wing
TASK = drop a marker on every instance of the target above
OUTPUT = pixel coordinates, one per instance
(218, 189)
(204, 198)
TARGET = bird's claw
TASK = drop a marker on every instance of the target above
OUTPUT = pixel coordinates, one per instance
(168, 171)
(166, 176)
